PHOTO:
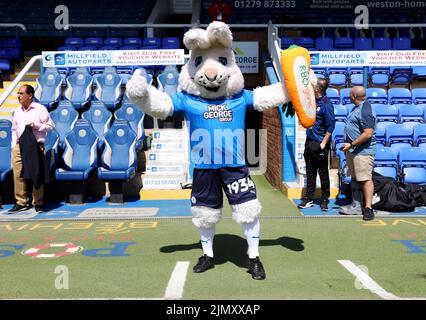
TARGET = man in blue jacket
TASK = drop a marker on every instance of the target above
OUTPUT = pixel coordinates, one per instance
(317, 148)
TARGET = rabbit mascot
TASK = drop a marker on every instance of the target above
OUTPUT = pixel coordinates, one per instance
(212, 98)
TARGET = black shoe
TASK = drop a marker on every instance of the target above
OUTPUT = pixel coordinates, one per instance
(204, 263)
(306, 203)
(324, 206)
(39, 208)
(256, 270)
(368, 214)
(18, 208)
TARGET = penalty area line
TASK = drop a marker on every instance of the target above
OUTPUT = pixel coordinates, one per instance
(369, 283)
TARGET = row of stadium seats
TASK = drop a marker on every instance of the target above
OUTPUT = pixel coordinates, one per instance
(81, 87)
(411, 134)
(79, 159)
(380, 95)
(65, 118)
(115, 43)
(377, 76)
(397, 113)
(10, 52)
(348, 43)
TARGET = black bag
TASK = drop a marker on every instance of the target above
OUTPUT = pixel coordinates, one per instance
(390, 196)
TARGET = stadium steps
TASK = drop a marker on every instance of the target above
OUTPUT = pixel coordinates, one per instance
(11, 102)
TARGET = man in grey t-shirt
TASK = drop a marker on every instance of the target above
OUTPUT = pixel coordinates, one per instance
(360, 147)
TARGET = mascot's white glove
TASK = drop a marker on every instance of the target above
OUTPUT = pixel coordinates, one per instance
(152, 101)
(137, 86)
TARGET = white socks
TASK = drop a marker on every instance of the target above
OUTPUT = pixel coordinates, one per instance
(252, 234)
(207, 235)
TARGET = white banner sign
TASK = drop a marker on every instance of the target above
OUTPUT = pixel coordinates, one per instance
(247, 55)
(368, 58)
(113, 58)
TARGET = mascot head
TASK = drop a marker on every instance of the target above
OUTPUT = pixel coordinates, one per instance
(211, 71)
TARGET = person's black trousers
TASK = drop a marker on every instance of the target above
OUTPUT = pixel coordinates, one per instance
(317, 162)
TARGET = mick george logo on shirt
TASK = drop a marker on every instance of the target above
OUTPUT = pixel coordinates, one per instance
(218, 111)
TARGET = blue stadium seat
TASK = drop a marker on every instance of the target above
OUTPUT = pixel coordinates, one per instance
(135, 117)
(132, 42)
(117, 42)
(74, 42)
(399, 95)
(68, 48)
(412, 165)
(419, 73)
(343, 43)
(108, 88)
(380, 133)
(340, 112)
(363, 44)
(94, 41)
(418, 95)
(5, 149)
(386, 162)
(410, 113)
(79, 88)
(333, 95)
(320, 72)
(377, 95)
(344, 96)
(151, 42)
(170, 43)
(79, 159)
(52, 149)
(108, 47)
(87, 48)
(382, 43)
(168, 80)
(379, 76)
(100, 119)
(399, 135)
(286, 42)
(337, 76)
(305, 42)
(118, 161)
(419, 135)
(401, 43)
(400, 75)
(385, 113)
(14, 47)
(324, 44)
(338, 135)
(356, 76)
(48, 90)
(64, 117)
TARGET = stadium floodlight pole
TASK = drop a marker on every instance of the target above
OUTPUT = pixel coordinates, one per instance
(18, 78)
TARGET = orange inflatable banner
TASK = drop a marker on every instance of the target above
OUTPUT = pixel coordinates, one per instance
(295, 65)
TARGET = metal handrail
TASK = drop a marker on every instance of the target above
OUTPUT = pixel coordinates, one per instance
(18, 78)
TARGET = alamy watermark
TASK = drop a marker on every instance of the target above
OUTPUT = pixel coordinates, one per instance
(62, 281)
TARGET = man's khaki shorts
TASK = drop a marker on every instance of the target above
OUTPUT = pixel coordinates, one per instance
(360, 167)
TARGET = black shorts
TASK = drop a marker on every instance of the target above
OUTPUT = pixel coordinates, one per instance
(207, 186)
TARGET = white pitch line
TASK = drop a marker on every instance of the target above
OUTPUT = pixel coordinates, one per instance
(177, 280)
(369, 283)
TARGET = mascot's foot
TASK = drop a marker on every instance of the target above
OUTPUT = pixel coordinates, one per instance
(255, 267)
(204, 263)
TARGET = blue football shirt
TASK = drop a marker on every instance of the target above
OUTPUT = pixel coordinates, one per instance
(216, 128)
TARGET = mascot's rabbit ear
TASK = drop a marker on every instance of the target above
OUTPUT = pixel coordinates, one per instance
(196, 39)
(216, 34)
(219, 33)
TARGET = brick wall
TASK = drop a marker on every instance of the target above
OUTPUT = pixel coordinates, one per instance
(272, 123)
